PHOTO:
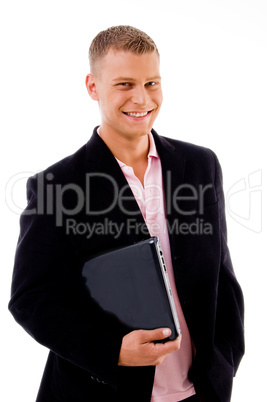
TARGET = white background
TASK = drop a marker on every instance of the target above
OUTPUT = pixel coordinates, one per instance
(213, 64)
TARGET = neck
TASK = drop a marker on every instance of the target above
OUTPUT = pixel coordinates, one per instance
(128, 149)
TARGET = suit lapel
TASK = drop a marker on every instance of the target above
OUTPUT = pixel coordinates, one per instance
(113, 190)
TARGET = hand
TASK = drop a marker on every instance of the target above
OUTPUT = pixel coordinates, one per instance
(138, 347)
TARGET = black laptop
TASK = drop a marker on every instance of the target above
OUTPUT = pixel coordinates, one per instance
(132, 283)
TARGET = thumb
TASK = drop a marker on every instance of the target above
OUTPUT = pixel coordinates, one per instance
(155, 334)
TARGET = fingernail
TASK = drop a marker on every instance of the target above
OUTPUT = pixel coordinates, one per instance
(166, 331)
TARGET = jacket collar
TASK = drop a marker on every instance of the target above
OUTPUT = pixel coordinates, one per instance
(98, 151)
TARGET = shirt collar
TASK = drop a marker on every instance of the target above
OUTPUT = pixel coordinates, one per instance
(152, 147)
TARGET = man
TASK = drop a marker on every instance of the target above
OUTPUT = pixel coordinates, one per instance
(127, 184)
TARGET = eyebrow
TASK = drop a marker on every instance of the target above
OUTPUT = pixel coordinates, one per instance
(157, 77)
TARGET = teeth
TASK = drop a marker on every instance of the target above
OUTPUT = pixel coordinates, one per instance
(137, 114)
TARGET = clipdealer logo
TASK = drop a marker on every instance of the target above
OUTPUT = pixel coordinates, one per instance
(51, 198)
(243, 198)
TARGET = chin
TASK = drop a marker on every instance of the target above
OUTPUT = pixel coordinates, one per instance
(140, 133)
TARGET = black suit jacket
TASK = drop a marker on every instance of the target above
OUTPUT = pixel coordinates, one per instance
(49, 298)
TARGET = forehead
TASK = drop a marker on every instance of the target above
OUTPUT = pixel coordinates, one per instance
(118, 63)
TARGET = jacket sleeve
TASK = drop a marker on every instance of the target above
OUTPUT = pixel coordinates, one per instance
(229, 330)
(49, 299)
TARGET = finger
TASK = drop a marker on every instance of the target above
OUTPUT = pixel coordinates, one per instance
(171, 346)
(154, 334)
(161, 350)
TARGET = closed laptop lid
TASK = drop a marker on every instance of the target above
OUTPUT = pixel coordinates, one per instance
(128, 282)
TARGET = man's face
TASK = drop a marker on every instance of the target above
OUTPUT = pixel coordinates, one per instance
(127, 87)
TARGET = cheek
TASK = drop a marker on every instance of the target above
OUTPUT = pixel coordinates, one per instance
(157, 98)
(110, 107)
(115, 100)
(160, 98)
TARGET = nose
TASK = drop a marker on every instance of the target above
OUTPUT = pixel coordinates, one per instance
(140, 95)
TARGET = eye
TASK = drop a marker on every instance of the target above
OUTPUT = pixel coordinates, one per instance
(151, 83)
(124, 84)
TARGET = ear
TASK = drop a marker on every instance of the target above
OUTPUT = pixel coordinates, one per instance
(90, 83)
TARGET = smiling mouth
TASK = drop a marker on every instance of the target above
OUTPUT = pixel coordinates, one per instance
(137, 114)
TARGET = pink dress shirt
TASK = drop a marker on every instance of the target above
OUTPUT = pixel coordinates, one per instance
(171, 383)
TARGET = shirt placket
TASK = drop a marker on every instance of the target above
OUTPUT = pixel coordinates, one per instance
(153, 200)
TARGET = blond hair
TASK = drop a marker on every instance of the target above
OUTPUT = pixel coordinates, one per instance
(121, 37)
